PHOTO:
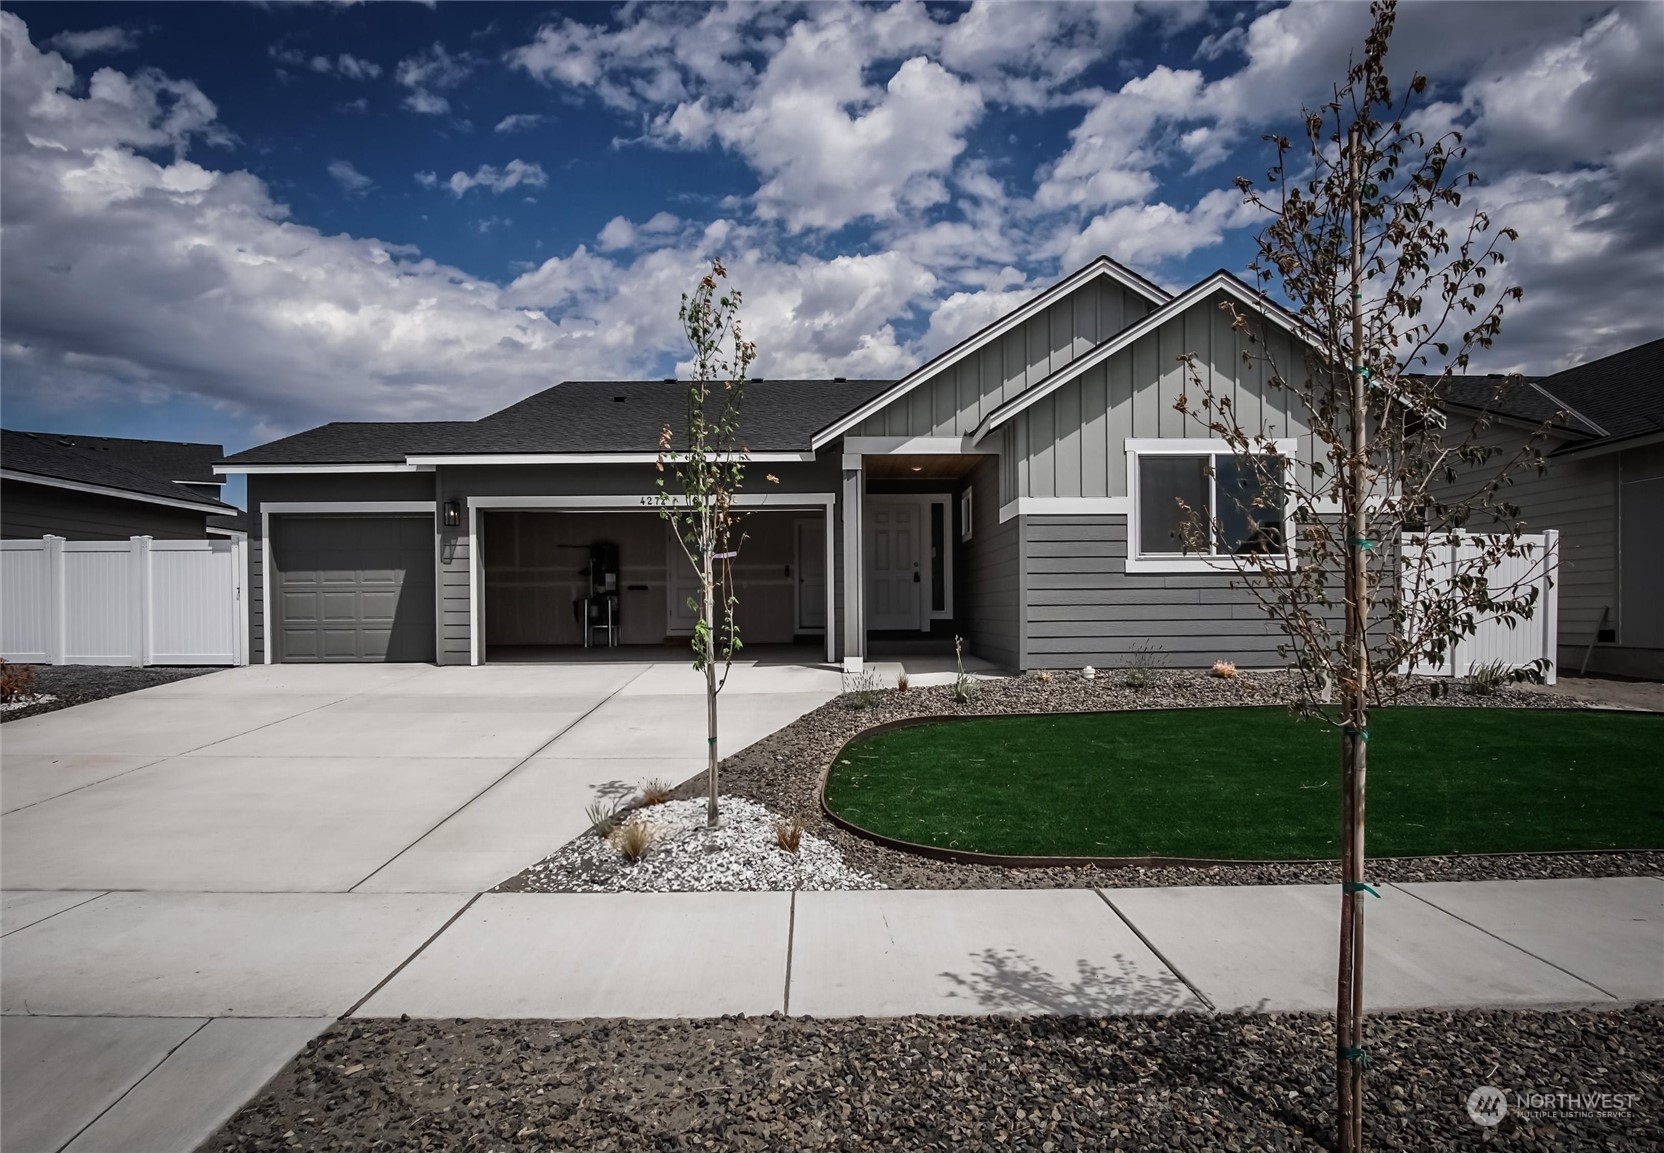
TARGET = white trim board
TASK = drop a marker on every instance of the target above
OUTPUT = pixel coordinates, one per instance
(323, 507)
(1066, 506)
(280, 469)
(429, 460)
(1103, 266)
(118, 493)
(1175, 307)
(912, 446)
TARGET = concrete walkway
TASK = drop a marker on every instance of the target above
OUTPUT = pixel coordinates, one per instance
(202, 876)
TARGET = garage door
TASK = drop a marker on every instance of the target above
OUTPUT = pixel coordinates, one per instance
(353, 588)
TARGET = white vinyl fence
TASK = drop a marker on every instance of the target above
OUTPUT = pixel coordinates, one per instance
(123, 602)
(1495, 640)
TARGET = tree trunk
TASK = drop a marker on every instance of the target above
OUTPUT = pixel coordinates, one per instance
(1349, 993)
(710, 692)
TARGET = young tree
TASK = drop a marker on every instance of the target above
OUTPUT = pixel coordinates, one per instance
(699, 479)
(1392, 282)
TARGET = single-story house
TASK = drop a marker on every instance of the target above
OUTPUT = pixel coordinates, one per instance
(1016, 490)
(110, 488)
(1603, 489)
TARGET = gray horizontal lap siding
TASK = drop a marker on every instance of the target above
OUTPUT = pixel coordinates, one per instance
(1072, 443)
(1083, 608)
(956, 399)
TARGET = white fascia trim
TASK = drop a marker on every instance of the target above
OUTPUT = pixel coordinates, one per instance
(593, 458)
(279, 469)
(301, 506)
(119, 493)
(912, 446)
(1177, 306)
(1066, 506)
(649, 502)
(1102, 266)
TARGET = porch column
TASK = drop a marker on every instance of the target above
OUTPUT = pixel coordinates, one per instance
(855, 609)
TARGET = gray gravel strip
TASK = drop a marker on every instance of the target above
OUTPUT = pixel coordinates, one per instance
(71, 685)
(1046, 1085)
(784, 770)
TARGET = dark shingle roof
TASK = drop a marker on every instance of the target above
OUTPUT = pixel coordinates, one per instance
(64, 458)
(1517, 397)
(163, 459)
(356, 442)
(580, 416)
(1622, 393)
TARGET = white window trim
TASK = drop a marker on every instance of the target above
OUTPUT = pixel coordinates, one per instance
(945, 501)
(1188, 446)
(303, 507)
(645, 502)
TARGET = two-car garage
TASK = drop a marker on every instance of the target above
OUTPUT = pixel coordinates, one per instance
(351, 588)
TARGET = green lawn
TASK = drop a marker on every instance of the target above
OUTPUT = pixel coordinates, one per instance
(1258, 784)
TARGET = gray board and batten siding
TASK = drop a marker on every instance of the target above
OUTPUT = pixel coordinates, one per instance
(1071, 443)
(955, 400)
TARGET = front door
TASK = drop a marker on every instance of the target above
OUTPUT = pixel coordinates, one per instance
(811, 576)
(681, 584)
(893, 577)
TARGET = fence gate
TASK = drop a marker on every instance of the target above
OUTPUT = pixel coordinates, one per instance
(128, 602)
(1495, 640)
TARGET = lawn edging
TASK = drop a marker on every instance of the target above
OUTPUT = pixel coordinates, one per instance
(1016, 861)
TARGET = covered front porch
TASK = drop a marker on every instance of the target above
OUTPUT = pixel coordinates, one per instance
(921, 561)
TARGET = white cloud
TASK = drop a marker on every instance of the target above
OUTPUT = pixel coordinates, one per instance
(519, 122)
(352, 181)
(514, 174)
(356, 68)
(427, 74)
(95, 42)
(132, 277)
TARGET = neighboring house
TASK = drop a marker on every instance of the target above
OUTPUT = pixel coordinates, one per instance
(1603, 489)
(107, 488)
(1017, 490)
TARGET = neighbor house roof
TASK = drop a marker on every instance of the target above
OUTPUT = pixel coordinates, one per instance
(578, 417)
(1603, 402)
(65, 461)
(175, 460)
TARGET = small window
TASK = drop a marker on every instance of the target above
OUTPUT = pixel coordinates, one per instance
(938, 556)
(965, 515)
(1242, 501)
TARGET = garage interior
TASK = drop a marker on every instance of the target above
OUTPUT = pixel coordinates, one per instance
(545, 571)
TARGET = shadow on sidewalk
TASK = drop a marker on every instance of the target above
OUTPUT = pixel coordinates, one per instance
(1008, 981)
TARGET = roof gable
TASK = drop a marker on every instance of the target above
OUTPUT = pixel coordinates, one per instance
(1101, 268)
(1221, 282)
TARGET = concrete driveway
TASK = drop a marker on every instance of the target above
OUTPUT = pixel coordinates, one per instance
(199, 877)
(381, 778)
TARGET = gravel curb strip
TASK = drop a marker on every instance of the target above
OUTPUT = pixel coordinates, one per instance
(786, 771)
(78, 684)
(1039, 1084)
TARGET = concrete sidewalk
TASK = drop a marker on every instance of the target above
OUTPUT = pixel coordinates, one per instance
(143, 1020)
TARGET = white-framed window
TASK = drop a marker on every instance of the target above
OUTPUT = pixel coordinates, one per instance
(1174, 482)
(965, 514)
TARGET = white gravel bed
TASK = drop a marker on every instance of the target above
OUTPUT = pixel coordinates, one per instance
(27, 702)
(685, 857)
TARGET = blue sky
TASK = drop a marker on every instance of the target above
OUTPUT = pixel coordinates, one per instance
(229, 222)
